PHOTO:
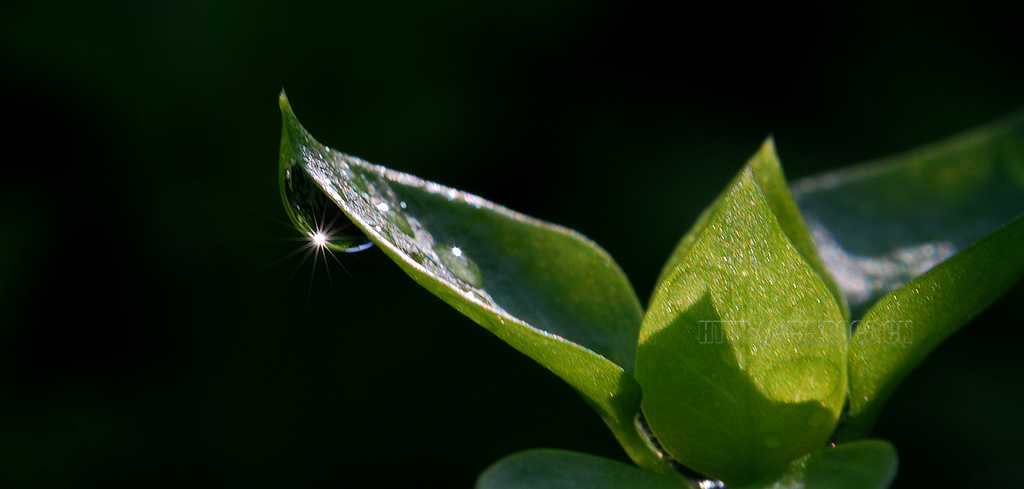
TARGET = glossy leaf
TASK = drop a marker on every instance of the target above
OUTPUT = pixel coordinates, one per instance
(545, 290)
(742, 353)
(866, 464)
(907, 324)
(767, 172)
(559, 469)
(880, 224)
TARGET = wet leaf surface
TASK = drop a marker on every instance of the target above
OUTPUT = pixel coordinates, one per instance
(880, 224)
(900, 330)
(545, 290)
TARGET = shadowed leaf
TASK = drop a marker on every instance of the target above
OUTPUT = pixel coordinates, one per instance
(559, 469)
(866, 464)
(900, 330)
(880, 224)
(742, 353)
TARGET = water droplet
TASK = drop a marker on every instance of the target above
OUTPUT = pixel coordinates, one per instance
(710, 484)
(402, 204)
(315, 214)
(455, 260)
(319, 238)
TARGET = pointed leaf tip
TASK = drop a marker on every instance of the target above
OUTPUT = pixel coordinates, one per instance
(743, 321)
(282, 101)
(545, 290)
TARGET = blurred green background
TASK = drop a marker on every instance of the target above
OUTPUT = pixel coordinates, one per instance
(156, 333)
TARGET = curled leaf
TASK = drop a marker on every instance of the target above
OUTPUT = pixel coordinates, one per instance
(543, 289)
(880, 224)
(905, 326)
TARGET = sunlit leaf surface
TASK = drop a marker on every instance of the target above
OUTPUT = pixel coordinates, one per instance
(545, 290)
(880, 224)
(904, 326)
(559, 469)
(742, 353)
(767, 172)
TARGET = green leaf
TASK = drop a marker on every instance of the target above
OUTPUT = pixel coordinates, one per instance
(559, 469)
(865, 464)
(767, 171)
(900, 330)
(742, 354)
(545, 290)
(880, 224)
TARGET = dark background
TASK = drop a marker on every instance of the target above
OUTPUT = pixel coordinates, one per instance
(152, 334)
